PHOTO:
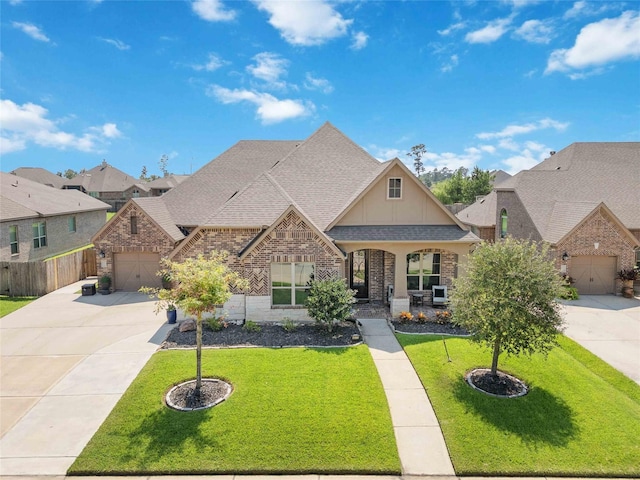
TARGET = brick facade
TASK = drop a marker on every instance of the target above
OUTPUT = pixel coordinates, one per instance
(117, 238)
(59, 238)
(612, 240)
(519, 223)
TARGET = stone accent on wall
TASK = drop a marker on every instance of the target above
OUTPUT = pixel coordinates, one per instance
(117, 238)
(376, 275)
(259, 309)
(399, 305)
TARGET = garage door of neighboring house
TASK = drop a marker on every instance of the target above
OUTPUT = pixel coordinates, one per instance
(594, 275)
(134, 270)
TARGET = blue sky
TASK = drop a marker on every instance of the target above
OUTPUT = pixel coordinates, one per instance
(496, 84)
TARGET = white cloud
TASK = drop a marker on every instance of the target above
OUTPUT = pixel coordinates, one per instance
(511, 130)
(214, 62)
(26, 123)
(452, 161)
(535, 31)
(212, 11)
(305, 23)
(525, 160)
(270, 109)
(587, 9)
(269, 67)
(508, 144)
(383, 154)
(453, 62)
(360, 40)
(313, 83)
(15, 2)
(598, 43)
(488, 148)
(520, 3)
(119, 44)
(452, 28)
(31, 30)
(492, 32)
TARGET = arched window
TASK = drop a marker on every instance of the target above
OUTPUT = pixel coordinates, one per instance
(503, 223)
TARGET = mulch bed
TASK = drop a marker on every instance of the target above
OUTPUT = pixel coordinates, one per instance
(270, 335)
(211, 392)
(501, 384)
(428, 327)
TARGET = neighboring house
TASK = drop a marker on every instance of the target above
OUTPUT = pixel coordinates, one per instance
(290, 211)
(39, 221)
(108, 184)
(583, 200)
(162, 185)
(40, 175)
(499, 176)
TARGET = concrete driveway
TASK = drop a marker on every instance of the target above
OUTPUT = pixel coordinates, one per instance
(608, 326)
(65, 361)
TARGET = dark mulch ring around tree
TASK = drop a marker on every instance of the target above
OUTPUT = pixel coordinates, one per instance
(212, 391)
(413, 326)
(499, 385)
(270, 335)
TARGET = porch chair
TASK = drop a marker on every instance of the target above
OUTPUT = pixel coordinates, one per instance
(439, 295)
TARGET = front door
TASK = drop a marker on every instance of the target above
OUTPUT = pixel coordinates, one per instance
(359, 275)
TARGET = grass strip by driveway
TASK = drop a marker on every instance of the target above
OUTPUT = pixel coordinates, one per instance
(580, 417)
(11, 304)
(292, 411)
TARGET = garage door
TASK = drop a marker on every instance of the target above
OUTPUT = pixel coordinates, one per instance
(594, 275)
(134, 270)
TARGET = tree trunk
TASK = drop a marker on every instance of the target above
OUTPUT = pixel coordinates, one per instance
(196, 392)
(496, 353)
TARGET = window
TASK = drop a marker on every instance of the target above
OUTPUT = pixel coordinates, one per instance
(638, 259)
(94, 194)
(503, 223)
(72, 224)
(13, 239)
(395, 188)
(290, 282)
(136, 193)
(39, 235)
(134, 225)
(423, 270)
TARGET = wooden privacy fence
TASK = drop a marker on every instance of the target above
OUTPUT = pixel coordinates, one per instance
(19, 279)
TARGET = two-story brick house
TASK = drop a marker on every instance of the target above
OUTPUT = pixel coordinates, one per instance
(583, 200)
(289, 211)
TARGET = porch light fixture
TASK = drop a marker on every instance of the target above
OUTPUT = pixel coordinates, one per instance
(565, 256)
(596, 245)
(102, 254)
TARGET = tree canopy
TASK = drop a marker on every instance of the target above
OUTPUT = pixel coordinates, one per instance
(463, 188)
(507, 298)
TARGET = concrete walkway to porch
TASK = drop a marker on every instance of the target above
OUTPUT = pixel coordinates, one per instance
(418, 435)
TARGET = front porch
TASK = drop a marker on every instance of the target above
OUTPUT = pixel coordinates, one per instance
(381, 310)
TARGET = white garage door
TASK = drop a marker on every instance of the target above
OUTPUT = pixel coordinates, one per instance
(134, 270)
(594, 275)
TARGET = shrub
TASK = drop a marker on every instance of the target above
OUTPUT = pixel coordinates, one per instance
(405, 317)
(251, 326)
(443, 317)
(422, 317)
(330, 301)
(569, 293)
(288, 325)
(216, 323)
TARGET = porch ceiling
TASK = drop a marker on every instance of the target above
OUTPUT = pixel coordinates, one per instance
(401, 233)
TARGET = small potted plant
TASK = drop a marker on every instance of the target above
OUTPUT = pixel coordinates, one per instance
(104, 285)
(172, 314)
(628, 276)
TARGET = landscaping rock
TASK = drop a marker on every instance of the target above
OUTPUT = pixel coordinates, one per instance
(188, 325)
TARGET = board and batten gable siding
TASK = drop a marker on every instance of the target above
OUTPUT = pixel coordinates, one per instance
(59, 239)
(413, 208)
(117, 238)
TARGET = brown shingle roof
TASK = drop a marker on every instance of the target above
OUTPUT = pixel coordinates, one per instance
(23, 198)
(169, 181)
(562, 190)
(194, 200)
(40, 175)
(103, 178)
(156, 209)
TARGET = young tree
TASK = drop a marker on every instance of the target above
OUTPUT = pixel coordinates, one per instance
(330, 301)
(416, 153)
(143, 173)
(507, 298)
(199, 284)
(163, 162)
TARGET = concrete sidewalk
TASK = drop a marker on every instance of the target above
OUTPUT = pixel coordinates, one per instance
(420, 442)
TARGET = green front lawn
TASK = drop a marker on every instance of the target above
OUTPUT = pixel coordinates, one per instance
(292, 411)
(580, 418)
(11, 304)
